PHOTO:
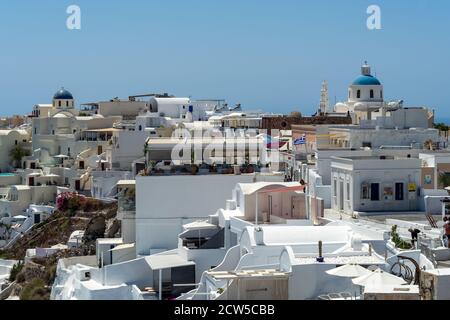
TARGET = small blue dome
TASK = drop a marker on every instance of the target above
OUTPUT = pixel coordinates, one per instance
(63, 94)
(366, 80)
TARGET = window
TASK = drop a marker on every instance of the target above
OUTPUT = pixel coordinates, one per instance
(67, 103)
(140, 128)
(348, 191)
(381, 94)
(334, 188)
(59, 103)
(388, 193)
(35, 130)
(16, 142)
(372, 95)
(358, 94)
(349, 94)
(375, 192)
(399, 191)
(364, 191)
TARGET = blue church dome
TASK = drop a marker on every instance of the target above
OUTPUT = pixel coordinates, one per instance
(63, 94)
(366, 80)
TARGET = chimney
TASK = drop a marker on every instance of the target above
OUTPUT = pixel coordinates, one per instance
(259, 236)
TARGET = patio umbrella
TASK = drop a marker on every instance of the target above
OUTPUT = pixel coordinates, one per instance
(349, 271)
(378, 278)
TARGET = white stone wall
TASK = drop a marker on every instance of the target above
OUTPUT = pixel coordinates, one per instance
(164, 204)
(384, 172)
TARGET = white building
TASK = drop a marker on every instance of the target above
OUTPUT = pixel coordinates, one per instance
(10, 139)
(281, 262)
(371, 184)
(164, 204)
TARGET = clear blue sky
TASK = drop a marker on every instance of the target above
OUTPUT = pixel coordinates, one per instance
(271, 55)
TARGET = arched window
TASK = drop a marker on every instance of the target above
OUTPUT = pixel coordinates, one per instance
(140, 128)
(358, 94)
(372, 95)
(381, 94)
(349, 94)
(67, 103)
(59, 103)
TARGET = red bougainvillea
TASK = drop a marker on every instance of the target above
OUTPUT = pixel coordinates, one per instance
(69, 201)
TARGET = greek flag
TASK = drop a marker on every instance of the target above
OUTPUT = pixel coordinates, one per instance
(300, 141)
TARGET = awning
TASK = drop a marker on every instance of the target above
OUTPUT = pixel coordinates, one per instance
(167, 261)
(20, 217)
(103, 130)
(199, 225)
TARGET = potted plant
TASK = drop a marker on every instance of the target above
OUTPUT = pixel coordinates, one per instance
(399, 242)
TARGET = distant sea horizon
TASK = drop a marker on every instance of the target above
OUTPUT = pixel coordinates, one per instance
(445, 120)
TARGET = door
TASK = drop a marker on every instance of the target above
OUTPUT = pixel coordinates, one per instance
(375, 192)
(33, 165)
(82, 165)
(341, 195)
(77, 185)
(31, 181)
(99, 150)
(263, 289)
(270, 206)
(298, 208)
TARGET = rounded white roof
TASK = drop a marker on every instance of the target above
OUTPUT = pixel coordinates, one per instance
(249, 188)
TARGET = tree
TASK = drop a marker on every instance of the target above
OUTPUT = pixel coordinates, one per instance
(444, 180)
(443, 128)
(16, 154)
(296, 114)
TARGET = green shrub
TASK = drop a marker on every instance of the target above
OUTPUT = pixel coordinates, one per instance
(399, 242)
(35, 290)
(15, 271)
(92, 205)
(73, 204)
(50, 274)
